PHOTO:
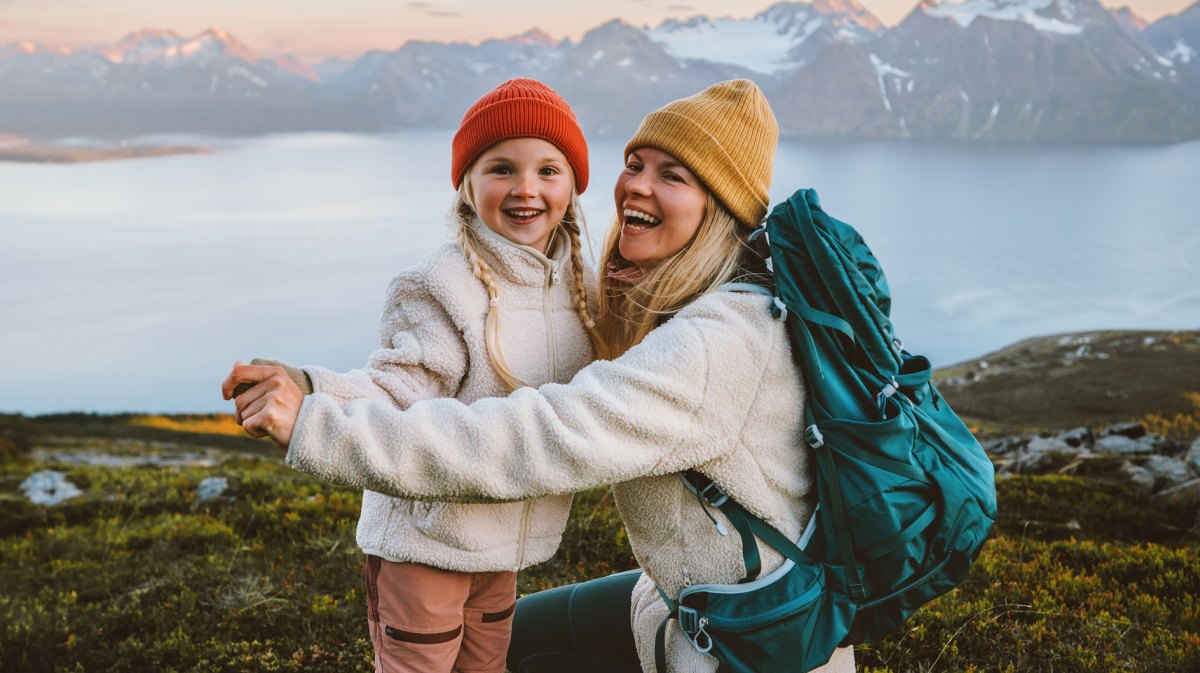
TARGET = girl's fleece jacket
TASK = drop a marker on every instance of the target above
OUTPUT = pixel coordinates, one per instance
(714, 388)
(432, 345)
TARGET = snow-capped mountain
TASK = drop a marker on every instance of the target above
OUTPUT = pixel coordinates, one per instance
(1128, 19)
(1026, 70)
(991, 70)
(1177, 37)
(773, 42)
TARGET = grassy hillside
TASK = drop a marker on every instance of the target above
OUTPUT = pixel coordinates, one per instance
(140, 573)
(1062, 381)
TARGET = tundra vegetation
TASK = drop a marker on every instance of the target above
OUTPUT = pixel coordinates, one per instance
(191, 548)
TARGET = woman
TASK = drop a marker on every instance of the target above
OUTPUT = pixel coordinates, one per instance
(699, 378)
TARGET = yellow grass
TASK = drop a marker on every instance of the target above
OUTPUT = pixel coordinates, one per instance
(213, 424)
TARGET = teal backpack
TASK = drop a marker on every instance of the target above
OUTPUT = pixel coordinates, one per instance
(906, 495)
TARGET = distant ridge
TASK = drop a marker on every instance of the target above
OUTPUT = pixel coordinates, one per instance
(978, 70)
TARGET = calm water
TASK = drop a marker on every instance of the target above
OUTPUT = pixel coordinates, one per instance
(134, 285)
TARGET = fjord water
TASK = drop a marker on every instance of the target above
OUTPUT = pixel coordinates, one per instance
(134, 285)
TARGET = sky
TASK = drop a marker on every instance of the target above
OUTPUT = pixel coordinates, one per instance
(315, 29)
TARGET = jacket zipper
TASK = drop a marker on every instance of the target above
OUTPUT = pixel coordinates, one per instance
(548, 308)
(524, 533)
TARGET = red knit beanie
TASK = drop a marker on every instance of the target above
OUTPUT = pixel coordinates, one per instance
(520, 108)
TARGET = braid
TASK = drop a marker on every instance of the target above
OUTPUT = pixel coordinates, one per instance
(571, 224)
(462, 215)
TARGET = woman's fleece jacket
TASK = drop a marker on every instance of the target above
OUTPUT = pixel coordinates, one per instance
(432, 345)
(714, 388)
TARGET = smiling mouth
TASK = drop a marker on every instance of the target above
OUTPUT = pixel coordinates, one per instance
(636, 219)
(523, 214)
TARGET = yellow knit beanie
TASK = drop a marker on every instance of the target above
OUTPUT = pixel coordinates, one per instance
(726, 135)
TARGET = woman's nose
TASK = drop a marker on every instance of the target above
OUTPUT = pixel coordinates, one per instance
(638, 184)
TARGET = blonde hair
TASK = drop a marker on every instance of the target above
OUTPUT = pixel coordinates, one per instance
(716, 255)
(462, 218)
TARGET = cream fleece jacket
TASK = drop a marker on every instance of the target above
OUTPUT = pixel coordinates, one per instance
(712, 389)
(432, 345)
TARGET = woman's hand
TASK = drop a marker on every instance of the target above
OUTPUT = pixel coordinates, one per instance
(270, 406)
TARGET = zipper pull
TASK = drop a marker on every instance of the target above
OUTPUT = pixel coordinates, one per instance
(555, 276)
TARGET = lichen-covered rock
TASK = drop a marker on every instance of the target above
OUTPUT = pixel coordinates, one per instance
(1186, 494)
(1079, 437)
(1130, 430)
(1193, 456)
(1168, 472)
(1123, 444)
(48, 487)
(1139, 478)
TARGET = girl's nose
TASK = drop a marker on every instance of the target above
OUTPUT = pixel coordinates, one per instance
(525, 186)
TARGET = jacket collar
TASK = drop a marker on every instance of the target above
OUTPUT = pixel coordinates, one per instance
(521, 264)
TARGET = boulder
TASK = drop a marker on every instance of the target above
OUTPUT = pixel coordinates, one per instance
(1186, 494)
(1139, 478)
(1168, 472)
(1123, 444)
(1079, 437)
(1130, 430)
(1193, 456)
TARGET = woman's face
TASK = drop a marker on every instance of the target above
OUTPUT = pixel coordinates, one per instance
(660, 205)
(521, 188)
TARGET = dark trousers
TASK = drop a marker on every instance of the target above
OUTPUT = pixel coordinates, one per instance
(578, 628)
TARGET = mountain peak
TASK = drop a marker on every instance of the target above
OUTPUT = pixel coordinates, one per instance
(535, 36)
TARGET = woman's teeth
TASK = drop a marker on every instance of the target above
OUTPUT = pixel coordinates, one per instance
(639, 220)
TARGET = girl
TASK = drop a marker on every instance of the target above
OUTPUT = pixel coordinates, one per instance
(502, 308)
(701, 378)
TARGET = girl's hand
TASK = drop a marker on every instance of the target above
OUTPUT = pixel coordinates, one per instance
(270, 407)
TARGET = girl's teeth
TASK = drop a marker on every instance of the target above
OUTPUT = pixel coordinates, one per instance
(523, 213)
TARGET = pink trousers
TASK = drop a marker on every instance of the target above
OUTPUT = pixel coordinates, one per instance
(427, 620)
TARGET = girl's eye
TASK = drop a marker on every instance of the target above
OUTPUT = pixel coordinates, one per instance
(549, 170)
(501, 169)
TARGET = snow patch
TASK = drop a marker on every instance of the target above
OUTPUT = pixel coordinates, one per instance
(1022, 11)
(756, 44)
(1180, 53)
(882, 70)
(49, 487)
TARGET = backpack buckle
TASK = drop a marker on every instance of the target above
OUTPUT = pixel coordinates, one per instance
(814, 437)
(692, 623)
(713, 494)
(779, 310)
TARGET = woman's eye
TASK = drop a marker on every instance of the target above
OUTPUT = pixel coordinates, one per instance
(671, 177)
(633, 166)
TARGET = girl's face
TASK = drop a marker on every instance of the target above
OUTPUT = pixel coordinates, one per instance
(660, 205)
(521, 188)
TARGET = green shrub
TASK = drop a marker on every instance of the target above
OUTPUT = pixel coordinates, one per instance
(137, 574)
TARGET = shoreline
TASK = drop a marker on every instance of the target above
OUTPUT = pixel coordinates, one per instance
(49, 154)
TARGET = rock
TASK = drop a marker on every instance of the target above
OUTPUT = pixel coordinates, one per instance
(1130, 430)
(1139, 478)
(1186, 494)
(49, 487)
(1000, 447)
(1122, 444)
(1168, 472)
(1193, 456)
(210, 488)
(1079, 437)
